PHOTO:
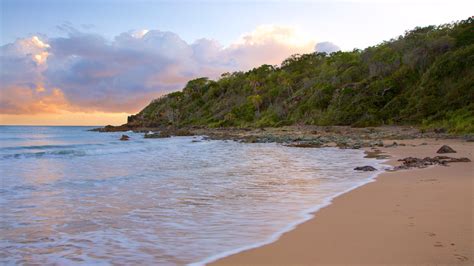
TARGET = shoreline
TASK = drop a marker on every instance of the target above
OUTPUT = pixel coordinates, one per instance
(306, 215)
(297, 243)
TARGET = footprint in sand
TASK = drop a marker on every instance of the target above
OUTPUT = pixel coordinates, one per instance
(431, 234)
(461, 257)
(438, 244)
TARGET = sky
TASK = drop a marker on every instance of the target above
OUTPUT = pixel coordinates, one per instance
(93, 62)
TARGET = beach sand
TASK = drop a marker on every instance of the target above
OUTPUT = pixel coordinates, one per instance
(408, 217)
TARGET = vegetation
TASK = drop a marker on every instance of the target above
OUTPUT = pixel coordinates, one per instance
(425, 77)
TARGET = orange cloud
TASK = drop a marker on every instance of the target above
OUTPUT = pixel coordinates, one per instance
(269, 44)
(22, 100)
(65, 118)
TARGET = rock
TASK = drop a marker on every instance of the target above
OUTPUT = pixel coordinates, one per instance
(110, 128)
(458, 160)
(411, 162)
(250, 139)
(124, 137)
(309, 144)
(365, 168)
(394, 144)
(446, 149)
(158, 135)
(182, 132)
(341, 143)
(356, 146)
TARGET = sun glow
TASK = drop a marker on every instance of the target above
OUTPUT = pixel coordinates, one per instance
(65, 118)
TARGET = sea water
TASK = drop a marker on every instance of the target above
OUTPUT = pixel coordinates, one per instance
(72, 196)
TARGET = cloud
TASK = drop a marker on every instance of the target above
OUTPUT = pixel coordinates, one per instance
(326, 47)
(86, 72)
(268, 44)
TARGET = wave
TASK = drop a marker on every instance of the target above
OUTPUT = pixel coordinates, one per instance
(46, 147)
(305, 215)
(43, 153)
(80, 151)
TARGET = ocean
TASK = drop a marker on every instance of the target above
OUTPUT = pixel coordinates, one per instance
(71, 196)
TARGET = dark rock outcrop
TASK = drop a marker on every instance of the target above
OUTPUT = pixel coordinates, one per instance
(446, 149)
(181, 132)
(124, 137)
(394, 144)
(110, 128)
(365, 168)
(411, 162)
(306, 144)
(158, 135)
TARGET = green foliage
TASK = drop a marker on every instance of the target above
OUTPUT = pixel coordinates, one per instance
(459, 121)
(424, 77)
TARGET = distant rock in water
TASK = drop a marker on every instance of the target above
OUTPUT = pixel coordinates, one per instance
(446, 149)
(365, 168)
(124, 137)
(110, 128)
(158, 135)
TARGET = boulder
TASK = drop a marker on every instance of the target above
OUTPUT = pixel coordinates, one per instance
(365, 168)
(124, 137)
(446, 149)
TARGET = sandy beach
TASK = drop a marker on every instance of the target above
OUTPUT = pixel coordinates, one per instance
(407, 217)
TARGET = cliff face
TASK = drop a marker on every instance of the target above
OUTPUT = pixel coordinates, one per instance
(425, 77)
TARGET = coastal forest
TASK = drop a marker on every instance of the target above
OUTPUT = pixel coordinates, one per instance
(423, 78)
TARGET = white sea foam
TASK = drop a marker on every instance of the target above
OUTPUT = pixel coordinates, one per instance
(305, 215)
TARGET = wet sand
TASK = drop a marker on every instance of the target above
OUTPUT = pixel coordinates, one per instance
(407, 217)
